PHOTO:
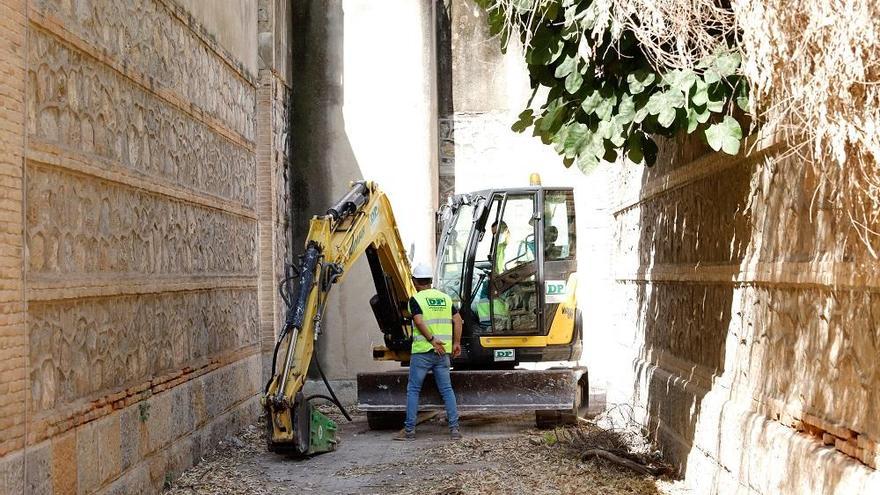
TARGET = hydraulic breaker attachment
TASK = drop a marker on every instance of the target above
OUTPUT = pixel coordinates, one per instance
(293, 426)
(305, 430)
(322, 433)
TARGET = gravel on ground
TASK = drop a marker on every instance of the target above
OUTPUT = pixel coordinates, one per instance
(499, 455)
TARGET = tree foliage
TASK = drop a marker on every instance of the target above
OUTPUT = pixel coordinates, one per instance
(604, 97)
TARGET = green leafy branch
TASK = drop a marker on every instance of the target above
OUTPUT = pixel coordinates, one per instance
(604, 97)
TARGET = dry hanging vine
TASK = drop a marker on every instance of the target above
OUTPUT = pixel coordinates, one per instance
(605, 95)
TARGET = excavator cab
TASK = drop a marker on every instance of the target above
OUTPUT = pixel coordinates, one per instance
(508, 258)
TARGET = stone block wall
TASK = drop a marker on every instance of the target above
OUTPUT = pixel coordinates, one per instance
(143, 211)
(750, 311)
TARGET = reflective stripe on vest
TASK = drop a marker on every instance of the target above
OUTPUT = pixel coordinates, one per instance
(437, 316)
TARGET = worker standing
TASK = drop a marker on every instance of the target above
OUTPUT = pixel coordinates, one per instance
(438, 336)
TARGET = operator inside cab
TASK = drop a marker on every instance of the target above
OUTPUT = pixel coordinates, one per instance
(481, 303)
(436, 336)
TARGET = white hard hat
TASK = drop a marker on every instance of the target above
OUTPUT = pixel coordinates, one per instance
(423, 270)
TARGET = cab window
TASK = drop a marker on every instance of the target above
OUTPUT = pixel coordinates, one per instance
(454, 251)
(559, 225)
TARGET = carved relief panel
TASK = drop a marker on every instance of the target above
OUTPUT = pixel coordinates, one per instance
(80, 348)
(145, 36)
(81, 105)
(79, 226)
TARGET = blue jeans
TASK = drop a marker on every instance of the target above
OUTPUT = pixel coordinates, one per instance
(419, 366)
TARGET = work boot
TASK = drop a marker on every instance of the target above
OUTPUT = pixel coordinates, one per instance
(405, 436)
(454, 434)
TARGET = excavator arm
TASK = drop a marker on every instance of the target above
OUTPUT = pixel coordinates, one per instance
(362, 222)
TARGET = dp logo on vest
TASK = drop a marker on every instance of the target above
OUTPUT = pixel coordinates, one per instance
(436, 302)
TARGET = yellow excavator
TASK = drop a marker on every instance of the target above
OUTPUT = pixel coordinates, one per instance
(507, 257)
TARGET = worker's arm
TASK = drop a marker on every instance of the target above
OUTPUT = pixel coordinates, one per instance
(423, 329)
(456, 334)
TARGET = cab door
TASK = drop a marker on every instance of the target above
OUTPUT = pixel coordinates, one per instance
(515, 301)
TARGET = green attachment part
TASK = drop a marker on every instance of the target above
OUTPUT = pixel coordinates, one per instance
(322, 433)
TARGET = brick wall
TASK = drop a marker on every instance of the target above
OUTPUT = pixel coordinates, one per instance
(13, 340)
(273, 103)
(130, 176)
(274, 149)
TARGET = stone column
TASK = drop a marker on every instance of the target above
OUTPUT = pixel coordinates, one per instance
(364, 108)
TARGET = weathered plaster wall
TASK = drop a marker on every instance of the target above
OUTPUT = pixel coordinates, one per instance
(133, 252)
(363, 109)
(489, 90)
(231, 24)
(752, 323)
(276, 36)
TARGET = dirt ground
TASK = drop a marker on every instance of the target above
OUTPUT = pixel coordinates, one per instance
(500, 454)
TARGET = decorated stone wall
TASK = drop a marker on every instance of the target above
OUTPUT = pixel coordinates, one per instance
(143, 212)
(750, 310)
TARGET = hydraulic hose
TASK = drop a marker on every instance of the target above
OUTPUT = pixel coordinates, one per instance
(274, 360)
(330, 389)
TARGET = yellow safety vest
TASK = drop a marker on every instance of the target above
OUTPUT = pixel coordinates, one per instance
(437, 315)
(483, 311)
(499, 257)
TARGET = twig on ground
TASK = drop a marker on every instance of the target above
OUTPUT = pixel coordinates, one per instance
(635, 466)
